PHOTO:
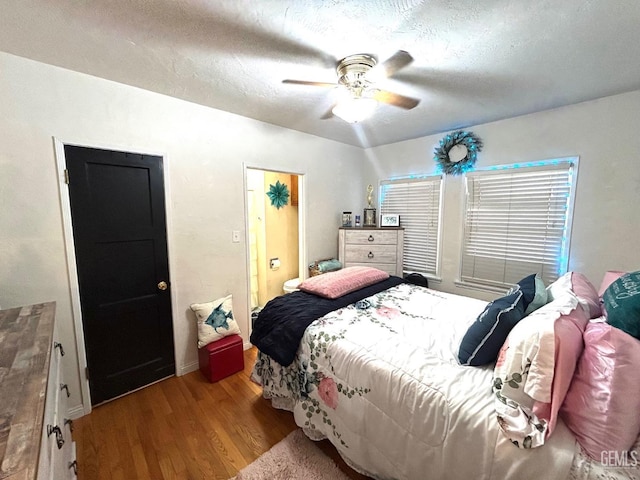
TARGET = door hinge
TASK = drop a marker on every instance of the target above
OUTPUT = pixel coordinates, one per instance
(66, 176)
(86, 372)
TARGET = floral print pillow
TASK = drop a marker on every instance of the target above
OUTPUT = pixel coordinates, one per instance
(517, 388)
(534, 370)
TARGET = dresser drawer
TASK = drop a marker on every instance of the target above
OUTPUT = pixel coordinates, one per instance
(390, 268)
(371, 237)
(372, 247)
(371, 254)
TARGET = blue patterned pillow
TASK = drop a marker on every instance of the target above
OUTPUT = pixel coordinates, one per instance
(215, 320)
(484, 338)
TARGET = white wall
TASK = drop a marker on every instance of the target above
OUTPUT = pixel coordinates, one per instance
(603, 133)
(204, 150)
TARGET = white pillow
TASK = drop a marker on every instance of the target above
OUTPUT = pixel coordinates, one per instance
(215, 320)
(558, 288)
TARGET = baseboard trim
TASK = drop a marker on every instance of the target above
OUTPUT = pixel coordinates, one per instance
(76, 412)
(188, 368)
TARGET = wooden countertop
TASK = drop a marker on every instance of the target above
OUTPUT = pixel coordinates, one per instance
(26, 336)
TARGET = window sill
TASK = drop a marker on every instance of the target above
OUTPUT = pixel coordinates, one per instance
(430, 278)
(480, 287)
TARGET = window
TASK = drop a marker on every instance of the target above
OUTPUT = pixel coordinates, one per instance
(417, 201)
(518, 222)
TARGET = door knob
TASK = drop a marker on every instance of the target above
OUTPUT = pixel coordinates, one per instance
(162, 285)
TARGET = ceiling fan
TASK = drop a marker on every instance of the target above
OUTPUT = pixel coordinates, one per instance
(357, 75)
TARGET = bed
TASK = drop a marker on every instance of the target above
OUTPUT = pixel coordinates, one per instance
(380, 377)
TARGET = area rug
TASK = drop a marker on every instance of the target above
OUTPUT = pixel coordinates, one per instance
(294, 457)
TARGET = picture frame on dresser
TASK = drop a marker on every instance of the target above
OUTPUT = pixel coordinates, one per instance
(389, 220)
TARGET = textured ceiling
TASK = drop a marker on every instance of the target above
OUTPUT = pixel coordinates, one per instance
(475, 61)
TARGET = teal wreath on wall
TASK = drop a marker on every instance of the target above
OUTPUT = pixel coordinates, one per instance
(458, 138)
(279, 194)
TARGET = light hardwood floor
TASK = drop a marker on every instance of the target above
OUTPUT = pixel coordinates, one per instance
(184, 428)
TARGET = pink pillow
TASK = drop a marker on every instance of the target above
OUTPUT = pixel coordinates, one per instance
(586, 293)
(602, 406)
(335, 284)
(568, 330)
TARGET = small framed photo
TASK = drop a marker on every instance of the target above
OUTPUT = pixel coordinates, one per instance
(389, 220)
(346, 219)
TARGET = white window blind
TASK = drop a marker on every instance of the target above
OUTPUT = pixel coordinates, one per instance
(417, 201)
(517, 222)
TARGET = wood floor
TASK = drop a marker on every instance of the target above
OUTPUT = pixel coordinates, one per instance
(184, 428)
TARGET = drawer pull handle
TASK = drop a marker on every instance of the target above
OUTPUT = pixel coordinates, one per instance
(370, 255)
(68, 421)
(59, 345)
(371, 239)
(59, 438)
(74, 465)
(64, 386)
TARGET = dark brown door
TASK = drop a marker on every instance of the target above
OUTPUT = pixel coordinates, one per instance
(119, 230)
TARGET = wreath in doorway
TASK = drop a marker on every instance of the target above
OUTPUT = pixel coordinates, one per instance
(457, 152)
(279, 194)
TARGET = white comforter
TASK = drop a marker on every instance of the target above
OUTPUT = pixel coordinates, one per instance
(381, 380)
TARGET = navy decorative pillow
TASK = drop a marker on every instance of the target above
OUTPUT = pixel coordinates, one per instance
(482, 342)
(528, 287)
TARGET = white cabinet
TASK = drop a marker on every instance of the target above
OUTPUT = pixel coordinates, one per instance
(381, 248)
(36, 441)
(57, 449)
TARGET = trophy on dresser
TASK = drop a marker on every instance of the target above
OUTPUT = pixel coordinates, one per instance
(369, 212)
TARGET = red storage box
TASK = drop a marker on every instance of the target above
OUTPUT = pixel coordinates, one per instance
(221, 358)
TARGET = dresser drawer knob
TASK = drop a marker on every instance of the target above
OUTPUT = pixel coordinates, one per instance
(370, 255)
(371, 239)
(58, 345)
(74, 465)
(64, 386)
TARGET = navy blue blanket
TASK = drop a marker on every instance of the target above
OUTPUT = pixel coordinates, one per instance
(281, 323)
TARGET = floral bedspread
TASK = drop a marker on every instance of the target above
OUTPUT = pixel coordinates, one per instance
(381, 380)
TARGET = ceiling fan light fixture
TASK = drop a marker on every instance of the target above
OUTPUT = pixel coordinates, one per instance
(356, 81)
(355, 109)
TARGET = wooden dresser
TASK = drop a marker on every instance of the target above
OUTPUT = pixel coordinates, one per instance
(373, 247)
(35, 436)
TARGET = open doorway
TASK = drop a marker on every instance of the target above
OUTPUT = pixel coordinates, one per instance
(274, 237)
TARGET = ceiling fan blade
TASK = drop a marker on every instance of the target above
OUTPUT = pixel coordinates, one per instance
(391, 65)
(396, 99)
(306, 82)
